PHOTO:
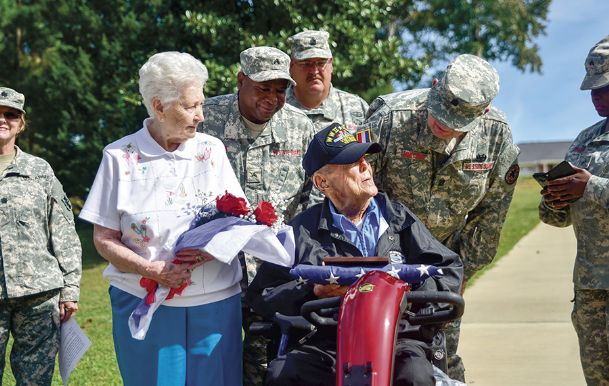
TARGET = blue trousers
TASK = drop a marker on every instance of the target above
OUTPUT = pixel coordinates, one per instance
(198, 345)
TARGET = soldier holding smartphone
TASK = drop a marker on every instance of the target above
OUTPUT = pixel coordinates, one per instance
(582, 199)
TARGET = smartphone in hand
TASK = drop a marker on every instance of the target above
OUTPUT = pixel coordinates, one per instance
(563, 169)
(541, 178)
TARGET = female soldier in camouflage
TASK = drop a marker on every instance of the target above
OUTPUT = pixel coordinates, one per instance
(40, 253)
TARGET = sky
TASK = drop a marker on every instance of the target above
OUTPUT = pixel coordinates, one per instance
(550, 106)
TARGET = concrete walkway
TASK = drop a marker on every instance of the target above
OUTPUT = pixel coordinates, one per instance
(517, 329)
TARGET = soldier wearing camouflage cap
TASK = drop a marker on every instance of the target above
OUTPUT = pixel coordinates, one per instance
(449, 156)
(311, 67)
(581, 200)
(265, 141)
(40, 253)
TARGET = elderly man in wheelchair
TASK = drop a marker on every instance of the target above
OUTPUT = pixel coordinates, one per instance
(354, 220)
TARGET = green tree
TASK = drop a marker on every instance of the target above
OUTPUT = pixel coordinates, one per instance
(77, 60)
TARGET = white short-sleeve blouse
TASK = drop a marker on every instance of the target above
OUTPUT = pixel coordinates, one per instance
(151, 196)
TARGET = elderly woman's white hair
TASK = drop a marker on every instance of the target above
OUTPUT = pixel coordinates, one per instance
(166, 74)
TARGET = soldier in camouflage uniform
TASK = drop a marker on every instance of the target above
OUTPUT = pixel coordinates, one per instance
(265, 141)
(311, 68)
(582, 200)
(40, 253)
(450, 158)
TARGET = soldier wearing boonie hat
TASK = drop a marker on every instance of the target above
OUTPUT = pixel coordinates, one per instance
(314, 93)
(449, 156)
(580, 200)
(265, 141)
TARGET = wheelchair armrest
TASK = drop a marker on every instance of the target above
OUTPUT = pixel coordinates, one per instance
(286, 322)
(455, 301)
(321, 312)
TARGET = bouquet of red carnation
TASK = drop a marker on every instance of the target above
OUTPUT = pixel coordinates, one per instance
(222, 230)
(232, 205)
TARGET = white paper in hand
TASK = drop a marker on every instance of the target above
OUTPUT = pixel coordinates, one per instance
(74, 343)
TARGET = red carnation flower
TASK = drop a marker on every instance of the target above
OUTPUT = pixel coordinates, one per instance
(265, 213)
(232, 205)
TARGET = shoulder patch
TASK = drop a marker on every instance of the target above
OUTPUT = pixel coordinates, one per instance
(511, 176)
(62, 200)
(496, 115)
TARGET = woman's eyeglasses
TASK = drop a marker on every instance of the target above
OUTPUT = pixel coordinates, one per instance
(11, 115)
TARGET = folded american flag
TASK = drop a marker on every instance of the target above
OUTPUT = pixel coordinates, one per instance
(329, 274)
(223, 238)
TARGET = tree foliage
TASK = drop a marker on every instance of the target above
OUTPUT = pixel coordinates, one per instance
(77, 60)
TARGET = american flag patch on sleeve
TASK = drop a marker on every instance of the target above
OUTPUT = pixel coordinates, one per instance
(364, 136)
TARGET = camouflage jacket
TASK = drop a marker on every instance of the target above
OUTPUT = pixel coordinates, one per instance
(590, 214)
(463, 197)
(270, 168)
(39, 247)
(340, 106)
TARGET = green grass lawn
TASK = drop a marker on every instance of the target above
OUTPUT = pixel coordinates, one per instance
(98, 365)
(521, 218)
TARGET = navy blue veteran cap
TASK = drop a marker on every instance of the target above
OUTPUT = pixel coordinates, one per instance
(337, 145)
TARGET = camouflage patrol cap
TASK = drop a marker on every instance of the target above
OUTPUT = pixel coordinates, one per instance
(597, 66)
(463, 94)
(310, 44)
(266, 63)
(11, 98)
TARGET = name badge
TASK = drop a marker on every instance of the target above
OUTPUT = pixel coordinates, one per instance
(292, 152)
(478, 166)
(413, 155)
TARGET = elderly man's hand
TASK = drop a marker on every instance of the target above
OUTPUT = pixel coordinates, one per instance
(329, 290)
(560, 191)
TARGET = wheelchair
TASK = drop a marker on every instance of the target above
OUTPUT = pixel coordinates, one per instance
(380, 307)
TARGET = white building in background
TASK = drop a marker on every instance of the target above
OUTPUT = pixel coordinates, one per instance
(541, 156)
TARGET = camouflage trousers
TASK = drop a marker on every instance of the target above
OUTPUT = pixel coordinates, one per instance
(590, 318)
(254, 347)
(456, 370)
(33, 321)
(254, 360)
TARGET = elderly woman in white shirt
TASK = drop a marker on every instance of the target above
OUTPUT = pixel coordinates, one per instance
(148, 189)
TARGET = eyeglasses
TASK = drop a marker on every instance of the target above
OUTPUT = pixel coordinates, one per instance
(318, 64)
(11, 115)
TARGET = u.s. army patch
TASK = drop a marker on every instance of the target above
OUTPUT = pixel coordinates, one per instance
(512, 174)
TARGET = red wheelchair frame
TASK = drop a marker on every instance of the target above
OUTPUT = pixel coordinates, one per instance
(373, 306)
